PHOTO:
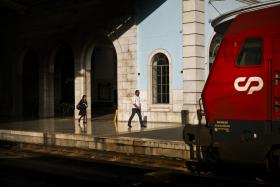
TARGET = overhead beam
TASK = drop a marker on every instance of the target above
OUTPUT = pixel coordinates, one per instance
(249, 1)
(12, 5)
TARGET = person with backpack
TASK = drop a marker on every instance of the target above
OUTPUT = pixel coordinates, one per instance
(82, 107)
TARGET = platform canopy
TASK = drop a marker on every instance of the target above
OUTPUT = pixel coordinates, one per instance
(14, 12)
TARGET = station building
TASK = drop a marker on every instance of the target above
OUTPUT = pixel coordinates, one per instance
(53, 52)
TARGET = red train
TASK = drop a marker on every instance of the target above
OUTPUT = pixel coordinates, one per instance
(241, 97)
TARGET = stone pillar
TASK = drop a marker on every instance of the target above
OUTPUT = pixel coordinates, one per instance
(50, 83)
(87, 80)
(126, 48)
(46, 88)
(16, 87)
(193, 55)
(80, 85)
(43, 89)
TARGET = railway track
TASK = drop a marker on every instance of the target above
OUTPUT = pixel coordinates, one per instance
(35, 167)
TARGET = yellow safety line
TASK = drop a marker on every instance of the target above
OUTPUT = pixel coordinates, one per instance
(116, 119)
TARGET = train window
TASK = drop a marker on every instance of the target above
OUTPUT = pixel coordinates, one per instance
(251, 53)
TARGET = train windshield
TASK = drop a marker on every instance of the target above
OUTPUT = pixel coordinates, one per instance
(251, 53)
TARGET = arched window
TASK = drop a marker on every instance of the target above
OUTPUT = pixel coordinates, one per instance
(160, 79)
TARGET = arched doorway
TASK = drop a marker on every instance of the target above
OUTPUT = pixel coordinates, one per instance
(30, 85)
(64, 81)
(103, 78)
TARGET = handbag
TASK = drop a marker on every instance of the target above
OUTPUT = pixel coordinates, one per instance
(78, 107)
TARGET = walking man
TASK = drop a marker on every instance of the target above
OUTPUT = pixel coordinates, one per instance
(136, 109)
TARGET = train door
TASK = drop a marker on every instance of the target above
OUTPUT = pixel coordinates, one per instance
(273, 140)
(250, 130)
(276, 83)
(275, 129)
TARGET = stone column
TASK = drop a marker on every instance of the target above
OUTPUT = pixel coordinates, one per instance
(87, 88)
(193, 55)
(126, 48)
(50, 98)
(80, 85)
(46, 88)
(43, 89)
(16, 87)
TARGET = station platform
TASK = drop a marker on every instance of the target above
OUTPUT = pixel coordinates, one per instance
(157, 139)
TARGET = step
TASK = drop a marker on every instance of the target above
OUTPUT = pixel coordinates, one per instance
(119, 144)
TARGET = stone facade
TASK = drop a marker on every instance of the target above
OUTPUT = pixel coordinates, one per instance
(165, 113)
(193, 55)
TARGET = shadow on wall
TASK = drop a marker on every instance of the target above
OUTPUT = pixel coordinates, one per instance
(143, 8)
(72, 21)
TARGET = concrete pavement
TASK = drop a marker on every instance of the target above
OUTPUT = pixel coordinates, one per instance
(164, 139)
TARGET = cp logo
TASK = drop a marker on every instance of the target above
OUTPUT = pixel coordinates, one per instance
(244, 88)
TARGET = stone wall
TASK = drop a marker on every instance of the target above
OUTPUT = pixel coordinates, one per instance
(166, 113)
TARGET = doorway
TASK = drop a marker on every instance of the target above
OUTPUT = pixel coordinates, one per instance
(103, 78)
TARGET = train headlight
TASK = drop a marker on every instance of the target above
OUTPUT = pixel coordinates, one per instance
(255, 135)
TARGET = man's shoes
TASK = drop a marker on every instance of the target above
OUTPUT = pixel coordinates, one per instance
(143, 126)
(129, 126)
